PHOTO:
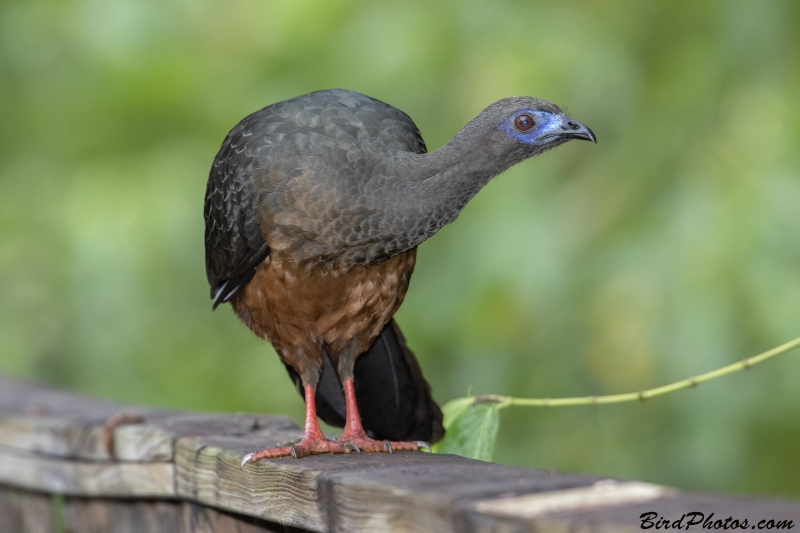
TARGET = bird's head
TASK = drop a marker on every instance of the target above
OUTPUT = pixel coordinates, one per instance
(521, 127)
(427, 191)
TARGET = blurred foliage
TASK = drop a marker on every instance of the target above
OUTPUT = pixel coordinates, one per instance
(670, 248)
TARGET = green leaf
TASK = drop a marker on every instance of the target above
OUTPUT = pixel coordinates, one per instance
(454, 408)
(471, 429)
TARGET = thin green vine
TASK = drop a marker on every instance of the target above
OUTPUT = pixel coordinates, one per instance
(507, 401)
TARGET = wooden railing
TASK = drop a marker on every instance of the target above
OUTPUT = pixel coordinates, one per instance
(74, 464)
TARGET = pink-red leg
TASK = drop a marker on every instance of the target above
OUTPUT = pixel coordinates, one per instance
(354, 432)
(313, 441)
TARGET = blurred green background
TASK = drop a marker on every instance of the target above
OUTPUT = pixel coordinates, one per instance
(669, 249)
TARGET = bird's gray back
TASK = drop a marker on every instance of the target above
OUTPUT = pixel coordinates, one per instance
(298, 173)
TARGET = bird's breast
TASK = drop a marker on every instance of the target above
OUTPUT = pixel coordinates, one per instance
(292, 304)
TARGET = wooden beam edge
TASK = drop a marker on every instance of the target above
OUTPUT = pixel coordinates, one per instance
(87, 440)
(33, 471)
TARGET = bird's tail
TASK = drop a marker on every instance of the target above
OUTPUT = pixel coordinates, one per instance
(394, 400)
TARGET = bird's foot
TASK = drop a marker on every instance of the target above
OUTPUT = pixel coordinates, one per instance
(366, 444)
(306, 446)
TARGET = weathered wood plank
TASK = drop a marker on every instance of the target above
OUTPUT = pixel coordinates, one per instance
(526, 514)
(371, 492)
(58, 424)
(84, 478)
(52, 436)
(209, 473)
(601, 495)
(23, 511)
(407, 491)
(180, 472)
(115, 516)
(199, 519)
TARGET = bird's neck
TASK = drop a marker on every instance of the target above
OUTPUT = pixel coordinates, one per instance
(439, 184)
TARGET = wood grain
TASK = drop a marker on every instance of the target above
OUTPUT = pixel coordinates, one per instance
(27, 470)
(377, 492)
(200, 519)
(25, 512)
(59, 424)
(626, 518)
(179, 471)
(119, 516)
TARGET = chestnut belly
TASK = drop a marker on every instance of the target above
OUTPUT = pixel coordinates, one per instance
(298, 308)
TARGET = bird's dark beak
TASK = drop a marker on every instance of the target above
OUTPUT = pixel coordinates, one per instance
(572, 129)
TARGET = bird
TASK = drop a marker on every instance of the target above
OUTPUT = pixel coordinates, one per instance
(314, 210)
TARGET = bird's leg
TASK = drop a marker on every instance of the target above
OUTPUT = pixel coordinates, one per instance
(313, 441)
(352, 425)
(354, 431)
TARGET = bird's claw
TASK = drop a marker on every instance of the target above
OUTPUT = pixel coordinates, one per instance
(246, 459)
(316, 446)
(351, 446)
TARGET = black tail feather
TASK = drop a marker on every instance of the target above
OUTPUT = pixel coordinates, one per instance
(394, 400)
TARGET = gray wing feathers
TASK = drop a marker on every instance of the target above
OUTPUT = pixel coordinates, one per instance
(294, 172)
(233, 240)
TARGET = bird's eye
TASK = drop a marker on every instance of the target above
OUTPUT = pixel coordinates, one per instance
(524, 122)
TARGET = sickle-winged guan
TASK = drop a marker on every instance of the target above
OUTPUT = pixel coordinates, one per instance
(314, 210)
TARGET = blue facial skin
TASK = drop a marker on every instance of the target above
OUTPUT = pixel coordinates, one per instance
(546, 127)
